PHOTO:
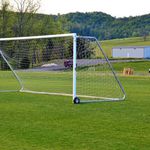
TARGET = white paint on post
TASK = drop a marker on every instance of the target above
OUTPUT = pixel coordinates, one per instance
(74, 64)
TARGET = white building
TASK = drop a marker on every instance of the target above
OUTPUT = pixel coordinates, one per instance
(131, 52)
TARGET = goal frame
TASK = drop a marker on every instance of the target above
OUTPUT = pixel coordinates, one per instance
(74, 82)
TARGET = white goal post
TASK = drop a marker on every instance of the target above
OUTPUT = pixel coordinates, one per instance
(62, 64)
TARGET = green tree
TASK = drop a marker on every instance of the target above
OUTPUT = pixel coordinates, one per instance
(84, 49)
(5, 17)
(24, 16)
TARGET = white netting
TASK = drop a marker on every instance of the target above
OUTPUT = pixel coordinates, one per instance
(95, 76)
(40, 63)
(46, 65)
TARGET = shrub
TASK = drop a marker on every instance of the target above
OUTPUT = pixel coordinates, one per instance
(25, 63)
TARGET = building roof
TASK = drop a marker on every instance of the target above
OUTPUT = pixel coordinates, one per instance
(131, 47)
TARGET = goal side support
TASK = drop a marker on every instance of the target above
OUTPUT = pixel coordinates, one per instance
(14, 73)
(116, 78)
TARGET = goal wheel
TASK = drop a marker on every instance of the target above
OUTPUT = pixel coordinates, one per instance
(76, 100)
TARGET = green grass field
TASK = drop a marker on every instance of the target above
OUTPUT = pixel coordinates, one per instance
(46, 122)
(42, 122)
(107, 45)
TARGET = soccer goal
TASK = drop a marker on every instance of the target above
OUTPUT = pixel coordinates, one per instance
(64, 64)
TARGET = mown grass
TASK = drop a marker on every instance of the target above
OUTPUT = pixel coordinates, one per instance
(44, 122)
(89, 83)
(107, 45)
(139, 67)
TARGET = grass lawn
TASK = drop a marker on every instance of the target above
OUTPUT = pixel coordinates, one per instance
(46, 122)
(107, 45)
(89, 83)
(42, 122)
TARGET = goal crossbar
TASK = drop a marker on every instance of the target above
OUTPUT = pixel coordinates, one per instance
(38, 37)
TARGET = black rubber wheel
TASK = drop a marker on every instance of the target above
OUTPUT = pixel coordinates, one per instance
(76, 100)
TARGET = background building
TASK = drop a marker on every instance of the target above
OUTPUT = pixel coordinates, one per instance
(131, 52)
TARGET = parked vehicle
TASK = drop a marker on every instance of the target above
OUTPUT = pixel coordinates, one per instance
(68, 63)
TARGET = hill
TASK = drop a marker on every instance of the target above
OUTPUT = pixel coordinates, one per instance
(98, 24)
(104, 26)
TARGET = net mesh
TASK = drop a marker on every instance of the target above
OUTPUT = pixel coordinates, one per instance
(46, 65)
(95, 78)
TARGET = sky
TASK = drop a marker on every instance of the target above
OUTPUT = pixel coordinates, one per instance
(116, 8)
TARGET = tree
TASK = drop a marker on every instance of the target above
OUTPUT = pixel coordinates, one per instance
(4, 27)
(4, 17)
(25, 12)
(84, 49)
(144, 34)
(47, 52)
(25, 63)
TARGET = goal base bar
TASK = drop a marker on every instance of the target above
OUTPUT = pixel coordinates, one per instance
(6, 91)
(99, 99)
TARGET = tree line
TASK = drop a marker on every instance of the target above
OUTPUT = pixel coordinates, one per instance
(104, 26)
(23, 20)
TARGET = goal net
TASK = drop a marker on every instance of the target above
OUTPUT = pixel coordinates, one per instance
(65, 64)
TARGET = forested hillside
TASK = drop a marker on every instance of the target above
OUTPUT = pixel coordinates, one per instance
(98, 24)
(104, 26)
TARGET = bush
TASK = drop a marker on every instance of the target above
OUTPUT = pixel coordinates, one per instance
(3, 64)
(25, 63)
